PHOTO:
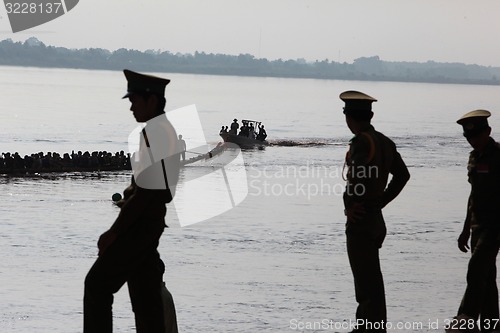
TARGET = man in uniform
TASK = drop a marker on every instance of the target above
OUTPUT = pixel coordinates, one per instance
(370, 159)
(128, 250)
(483, 219)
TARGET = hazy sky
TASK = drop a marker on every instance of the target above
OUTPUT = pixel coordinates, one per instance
(396, 30)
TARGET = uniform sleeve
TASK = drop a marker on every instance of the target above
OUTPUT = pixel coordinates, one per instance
(468, 216)
(361, 150)
(400, 176)
(358, 159)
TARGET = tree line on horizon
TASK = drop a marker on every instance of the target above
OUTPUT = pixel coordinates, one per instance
(35, 53)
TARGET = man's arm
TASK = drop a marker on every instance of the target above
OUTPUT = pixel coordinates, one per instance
(131, 210)
(129, 213)
(463, 239)
(400, 176)
(359, 154)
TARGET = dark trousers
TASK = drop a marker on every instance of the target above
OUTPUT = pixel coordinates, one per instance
(133, 259)
(481, 294)
(363, 246)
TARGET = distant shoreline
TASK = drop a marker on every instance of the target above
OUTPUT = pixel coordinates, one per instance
(34, 53)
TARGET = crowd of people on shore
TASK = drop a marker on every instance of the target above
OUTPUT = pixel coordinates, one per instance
(74, 161)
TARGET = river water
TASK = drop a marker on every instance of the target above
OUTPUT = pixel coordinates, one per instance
(276, 261)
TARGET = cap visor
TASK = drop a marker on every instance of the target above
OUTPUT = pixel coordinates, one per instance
(128, 94)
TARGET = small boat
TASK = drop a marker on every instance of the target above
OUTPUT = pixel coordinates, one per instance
(245, 139)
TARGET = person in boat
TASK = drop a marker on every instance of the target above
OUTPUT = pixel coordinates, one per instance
(370, 159)
(251, 131)
(262, 133)
(128, 250)
(37, 161)
(234, 127)
(479, 305)
(244, 129)
(66, 161)
(224, 130)
(18, 161)
(8, 162)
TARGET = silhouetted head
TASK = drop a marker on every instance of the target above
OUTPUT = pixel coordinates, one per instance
(357, 109)
(146, 93)
(476, 128)
(357, 105)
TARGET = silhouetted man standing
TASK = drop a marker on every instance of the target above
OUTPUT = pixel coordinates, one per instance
(370, 159)
(128, 250)
(483, 219)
